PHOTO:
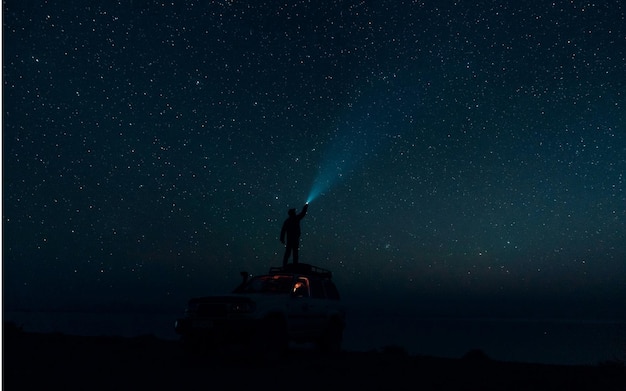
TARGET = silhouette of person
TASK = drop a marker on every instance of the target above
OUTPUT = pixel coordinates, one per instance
(291, 231)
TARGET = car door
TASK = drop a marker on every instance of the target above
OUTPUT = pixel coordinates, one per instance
(304, 310)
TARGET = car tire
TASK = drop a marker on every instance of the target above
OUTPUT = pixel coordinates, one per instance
(330, 341)
(270, 341)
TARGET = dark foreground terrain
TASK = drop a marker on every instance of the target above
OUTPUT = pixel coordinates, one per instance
(63, 362)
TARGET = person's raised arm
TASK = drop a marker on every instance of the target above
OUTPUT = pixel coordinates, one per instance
(304, 209)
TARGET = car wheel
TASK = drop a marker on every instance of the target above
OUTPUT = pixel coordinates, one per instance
(330, 341)
(192, 345)
(271, 339)
(198, 344)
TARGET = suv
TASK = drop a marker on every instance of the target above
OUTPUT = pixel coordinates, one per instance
(295, 303)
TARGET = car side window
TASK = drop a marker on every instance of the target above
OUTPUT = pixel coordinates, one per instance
(317, 289)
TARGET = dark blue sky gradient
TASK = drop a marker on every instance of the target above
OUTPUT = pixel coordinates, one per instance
(476, 151)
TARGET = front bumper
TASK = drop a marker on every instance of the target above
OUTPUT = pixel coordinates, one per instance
(218, 328)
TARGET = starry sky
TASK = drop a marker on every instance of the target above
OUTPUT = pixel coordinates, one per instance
(459, 155)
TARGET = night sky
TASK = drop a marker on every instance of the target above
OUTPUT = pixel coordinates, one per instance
(466, 156)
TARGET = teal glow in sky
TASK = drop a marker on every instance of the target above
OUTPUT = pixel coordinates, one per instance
(448, 150)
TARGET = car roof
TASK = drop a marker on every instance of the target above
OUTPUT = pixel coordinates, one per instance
(301, 268)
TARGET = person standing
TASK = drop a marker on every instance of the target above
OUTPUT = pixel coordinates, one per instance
(290, 234)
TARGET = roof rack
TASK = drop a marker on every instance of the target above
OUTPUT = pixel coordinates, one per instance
(303, 268)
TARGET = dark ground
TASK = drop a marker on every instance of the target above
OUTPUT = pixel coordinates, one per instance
(34, 361)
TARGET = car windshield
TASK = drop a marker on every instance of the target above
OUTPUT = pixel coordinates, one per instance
(269, 284)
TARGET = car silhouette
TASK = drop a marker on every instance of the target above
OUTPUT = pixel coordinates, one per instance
(296, 303)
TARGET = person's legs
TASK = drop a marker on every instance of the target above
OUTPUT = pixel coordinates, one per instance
(295, 253)
(286, 256)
